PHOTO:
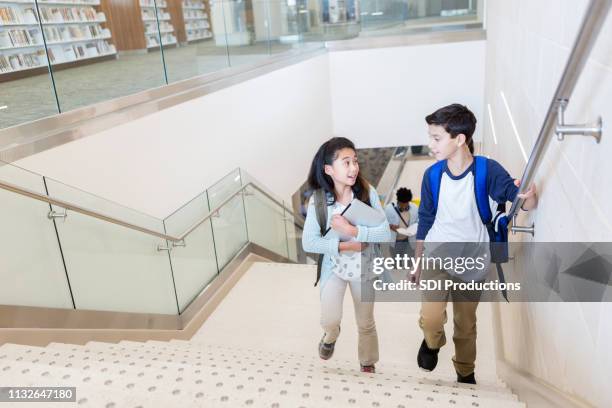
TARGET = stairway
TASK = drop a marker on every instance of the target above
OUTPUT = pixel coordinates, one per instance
(251, 352)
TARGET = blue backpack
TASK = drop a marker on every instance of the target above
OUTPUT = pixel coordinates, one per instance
(497, 226)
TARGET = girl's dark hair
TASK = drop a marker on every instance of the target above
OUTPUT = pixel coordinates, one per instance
(403, 195)
(326, 154)
(455, 119)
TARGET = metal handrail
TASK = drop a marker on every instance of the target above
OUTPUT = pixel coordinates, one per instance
(76, 208)
(396, 179)
(592, 22)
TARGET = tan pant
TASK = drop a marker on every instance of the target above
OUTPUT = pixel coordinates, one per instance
(332, 300)
(433, 317)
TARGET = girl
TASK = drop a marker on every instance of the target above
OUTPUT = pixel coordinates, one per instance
(334, 176)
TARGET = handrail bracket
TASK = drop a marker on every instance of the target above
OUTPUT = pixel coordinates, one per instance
(587, 129)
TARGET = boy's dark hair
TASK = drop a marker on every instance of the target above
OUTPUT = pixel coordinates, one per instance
(326, 154)
(403, 195)
(455, 119)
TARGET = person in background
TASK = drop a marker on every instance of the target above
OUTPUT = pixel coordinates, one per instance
(402, 214)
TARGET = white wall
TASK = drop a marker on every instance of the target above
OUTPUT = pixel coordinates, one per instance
(566, 345)
(381, 96)
(270, 126)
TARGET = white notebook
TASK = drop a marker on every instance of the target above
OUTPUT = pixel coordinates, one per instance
(360, 213)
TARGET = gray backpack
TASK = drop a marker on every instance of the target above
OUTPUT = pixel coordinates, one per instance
(320, 202)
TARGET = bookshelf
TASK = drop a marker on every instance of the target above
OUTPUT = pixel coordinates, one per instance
(73, 30)
(150, 21)
(195, 16)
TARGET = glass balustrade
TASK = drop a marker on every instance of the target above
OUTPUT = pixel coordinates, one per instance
(85, 252)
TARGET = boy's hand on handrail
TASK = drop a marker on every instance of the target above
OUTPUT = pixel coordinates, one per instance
(530, 196)
(341, 224)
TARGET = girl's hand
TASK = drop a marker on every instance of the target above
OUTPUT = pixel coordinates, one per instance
(530, 196)
(352, 246)
(341, 224)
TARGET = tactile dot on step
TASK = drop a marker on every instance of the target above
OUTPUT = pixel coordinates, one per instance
(110, 405)
(82, 401)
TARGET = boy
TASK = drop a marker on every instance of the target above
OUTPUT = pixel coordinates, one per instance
(402, 215)
(455, 219)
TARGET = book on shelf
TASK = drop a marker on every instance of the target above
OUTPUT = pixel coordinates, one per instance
(69, 14)
(68, 39)
(73, 52)
(16, 15)
(16, 62)
(20, 38)
(150, 3)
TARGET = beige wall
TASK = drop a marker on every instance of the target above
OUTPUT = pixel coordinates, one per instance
(566, 345)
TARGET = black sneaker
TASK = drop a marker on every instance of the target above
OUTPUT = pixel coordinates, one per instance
(427, 358)
(326, 350)
(468, 379)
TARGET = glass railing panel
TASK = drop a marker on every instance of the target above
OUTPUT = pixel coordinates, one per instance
(244, 25)
(185, 217)
(229, 229)
(286, 24)
(112, 267)
(26, 89)
(202, 50)
(389, 17)
(224, 188)
(92, 202)
(85, 49)
(266, 222)
(194, 264)
(31, 267)
(294, 235)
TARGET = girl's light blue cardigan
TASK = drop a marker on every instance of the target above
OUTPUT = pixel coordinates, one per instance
(313, 242)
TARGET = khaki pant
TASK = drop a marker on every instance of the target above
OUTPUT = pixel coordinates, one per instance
(433, 317)
(332, 300)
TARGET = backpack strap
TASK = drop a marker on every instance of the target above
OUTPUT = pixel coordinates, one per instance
(480, 189)
(435, 178)
(495, 226)
(400, 214)
(320, 202)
